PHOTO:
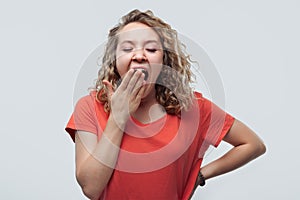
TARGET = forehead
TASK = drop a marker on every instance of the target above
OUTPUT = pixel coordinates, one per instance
(136, 31)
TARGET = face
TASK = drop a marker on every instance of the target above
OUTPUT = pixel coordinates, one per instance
(139, 47)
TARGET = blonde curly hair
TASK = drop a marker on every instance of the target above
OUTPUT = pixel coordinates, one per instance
(173, 90)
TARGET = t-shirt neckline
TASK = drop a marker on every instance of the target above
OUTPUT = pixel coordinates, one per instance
(162, 118)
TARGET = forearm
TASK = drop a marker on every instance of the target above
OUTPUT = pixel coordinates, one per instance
(233, 159)
(95, 171)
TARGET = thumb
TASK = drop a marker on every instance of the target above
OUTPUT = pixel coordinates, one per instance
(109, 87)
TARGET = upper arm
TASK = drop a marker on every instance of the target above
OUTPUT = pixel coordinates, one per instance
(240, 134)
(85, 143)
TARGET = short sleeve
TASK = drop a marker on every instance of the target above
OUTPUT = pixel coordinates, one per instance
(83, 117)
(214, 120)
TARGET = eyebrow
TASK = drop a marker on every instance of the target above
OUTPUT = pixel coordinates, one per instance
(147, 42)
(152, 41)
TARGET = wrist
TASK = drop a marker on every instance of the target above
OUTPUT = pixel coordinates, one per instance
(117, 121)
(201, 179)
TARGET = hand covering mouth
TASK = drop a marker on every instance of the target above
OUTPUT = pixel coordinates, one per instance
(145, 72)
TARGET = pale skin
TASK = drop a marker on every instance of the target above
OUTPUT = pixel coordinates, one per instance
(137, 96)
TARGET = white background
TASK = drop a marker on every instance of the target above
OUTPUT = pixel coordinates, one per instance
(43, 44)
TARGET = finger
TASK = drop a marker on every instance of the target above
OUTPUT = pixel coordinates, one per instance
(109, 87)
(139, 84)
(140, 93)
(133, 81)
(126, 79)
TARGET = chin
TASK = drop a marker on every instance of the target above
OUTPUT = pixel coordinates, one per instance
(148, 90)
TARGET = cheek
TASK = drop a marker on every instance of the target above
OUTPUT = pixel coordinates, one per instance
(155, 71)
(122, 64)
(158, 59)
(156, 65)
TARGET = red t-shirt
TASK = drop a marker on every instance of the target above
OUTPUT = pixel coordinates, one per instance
(159, 160)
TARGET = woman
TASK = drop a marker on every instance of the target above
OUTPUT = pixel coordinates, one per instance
(143, 132)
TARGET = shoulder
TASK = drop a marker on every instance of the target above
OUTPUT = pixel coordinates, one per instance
(87, 101)
(87, 104)
(198, 95)
(90, 105)
(203, 103)
(200, 98)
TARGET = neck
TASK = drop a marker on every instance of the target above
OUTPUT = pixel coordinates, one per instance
(149, 109)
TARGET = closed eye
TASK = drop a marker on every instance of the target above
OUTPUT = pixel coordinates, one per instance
(127, 49)
(151, 50)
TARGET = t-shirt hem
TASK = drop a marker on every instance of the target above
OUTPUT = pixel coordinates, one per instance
(227, 125)
(72, 128)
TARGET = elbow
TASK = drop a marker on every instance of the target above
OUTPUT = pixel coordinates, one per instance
(259, 149)
(90, 190)
(262, 148)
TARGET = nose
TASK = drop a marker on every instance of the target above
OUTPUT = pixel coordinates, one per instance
(139, 56)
